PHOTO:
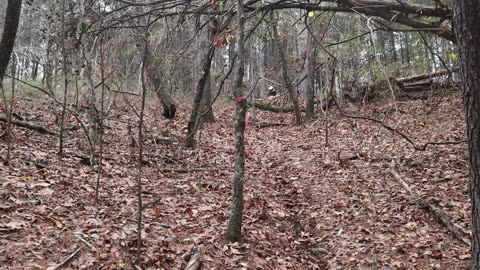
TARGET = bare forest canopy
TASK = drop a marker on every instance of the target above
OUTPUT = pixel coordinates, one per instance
(350, 33)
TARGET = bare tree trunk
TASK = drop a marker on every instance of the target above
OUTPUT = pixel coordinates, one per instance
(101, 120)
(192, 122)
(10, 28)
(207, 92)
(311, 55)
(466, 22)
(206, 101)
(234, 229)
(154, 74)
(393, 50)
(288, 82)
(88, 50)
(12, 19)
(65, 90)
(48, 68)
(9, 110)
(140, 152)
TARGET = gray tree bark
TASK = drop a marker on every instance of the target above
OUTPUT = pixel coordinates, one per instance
(191, 126)
(286, 77)
(234, 229)
(311, 62)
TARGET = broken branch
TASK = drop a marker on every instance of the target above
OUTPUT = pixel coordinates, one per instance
(438, 213)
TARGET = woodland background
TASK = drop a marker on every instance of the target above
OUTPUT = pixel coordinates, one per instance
(341, 123)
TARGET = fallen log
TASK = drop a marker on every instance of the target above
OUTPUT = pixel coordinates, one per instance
(425, 76)
(370, 90)
(437, 213)
(276, 109)
(29, 125)
(270, 108)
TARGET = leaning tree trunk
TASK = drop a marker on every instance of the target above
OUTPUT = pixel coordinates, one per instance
(9, 34)
(191, 126)
(156, 77)
(466, 22)
(234, 229)
(288, 82)
(207, 92)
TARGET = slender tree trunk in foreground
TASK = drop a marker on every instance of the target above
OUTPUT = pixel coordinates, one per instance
(234, 230)
(467, 30)
(140, 153)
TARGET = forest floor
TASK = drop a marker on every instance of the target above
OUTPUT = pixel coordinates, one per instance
(304, 207)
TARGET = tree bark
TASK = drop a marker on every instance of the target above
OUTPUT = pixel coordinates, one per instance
(191, 126)
(154, 74)
(311, 63)
(234, 229)
(286, 77)
(209, 117)
(10, 28)
(466, 22)
(207, 92)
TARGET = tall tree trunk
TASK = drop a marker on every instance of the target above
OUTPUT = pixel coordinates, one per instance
(286, 77)
(209, 117)
(49, 59)
(466, 22)
(88, 53)
(207, 92)
(234, 229)
(191, 126)
(12, 18)
(311, 62)
(393, 50)
(10, 28)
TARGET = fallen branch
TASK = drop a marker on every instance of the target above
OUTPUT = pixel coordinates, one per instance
(416, 146)
(29, 126)
(80, 238)
(195, 262)
(438, 213)
(66, 260)
(265, 125)
(182, 170)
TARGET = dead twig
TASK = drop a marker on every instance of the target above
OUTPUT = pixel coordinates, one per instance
(80, 238)
(66, 260)
(438, 213)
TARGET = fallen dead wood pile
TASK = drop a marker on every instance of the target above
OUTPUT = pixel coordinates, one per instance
(408, 84)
